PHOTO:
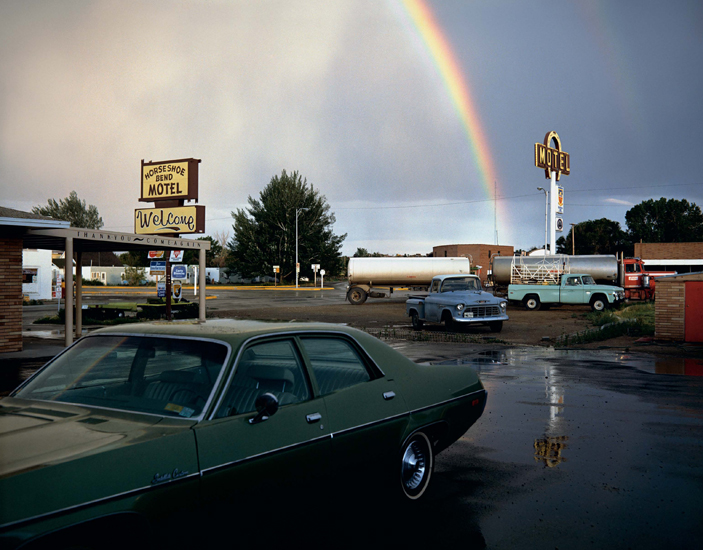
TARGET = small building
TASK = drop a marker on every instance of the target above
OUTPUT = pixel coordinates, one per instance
(479, 254)
(678, 309)
(37, 274)
(678, 257)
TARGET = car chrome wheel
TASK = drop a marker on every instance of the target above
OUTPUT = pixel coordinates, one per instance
(416, 466)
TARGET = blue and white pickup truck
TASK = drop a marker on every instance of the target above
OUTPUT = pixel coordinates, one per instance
(457, 300)
(573, 288)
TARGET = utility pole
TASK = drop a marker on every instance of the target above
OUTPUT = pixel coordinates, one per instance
(297, 265)
(573, 239)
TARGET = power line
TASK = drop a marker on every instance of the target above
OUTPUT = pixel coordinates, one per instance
(425, 205)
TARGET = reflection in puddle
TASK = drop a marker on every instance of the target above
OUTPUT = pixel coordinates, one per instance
(548, 450)
(493, 357)
(679, 365)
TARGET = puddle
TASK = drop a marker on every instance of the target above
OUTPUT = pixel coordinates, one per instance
(493, 357)
(677, 365)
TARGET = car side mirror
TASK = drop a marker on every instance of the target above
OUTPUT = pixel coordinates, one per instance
(266, 406)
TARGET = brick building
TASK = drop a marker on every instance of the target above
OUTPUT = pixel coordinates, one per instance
(479, 254)
(13, 226)
(678, 313)
(679, 257)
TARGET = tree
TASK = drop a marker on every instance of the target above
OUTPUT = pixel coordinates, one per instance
(72, 209)
(601, 236)
(264, 233)
(665, 221)
(222, 238)
(192, 257)
(363, 253)
(134, 275)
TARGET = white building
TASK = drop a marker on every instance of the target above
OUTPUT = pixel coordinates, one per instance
(36, 274)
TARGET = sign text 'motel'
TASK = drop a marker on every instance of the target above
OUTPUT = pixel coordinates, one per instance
(170, 180)
(552, 159)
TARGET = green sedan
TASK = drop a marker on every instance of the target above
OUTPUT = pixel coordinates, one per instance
(131, 429)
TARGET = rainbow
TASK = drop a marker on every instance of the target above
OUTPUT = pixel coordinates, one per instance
(458, 88)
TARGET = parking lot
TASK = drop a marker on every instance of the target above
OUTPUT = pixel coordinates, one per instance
(578, 448)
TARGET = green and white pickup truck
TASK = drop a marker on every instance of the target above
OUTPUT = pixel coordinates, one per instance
(574, 288)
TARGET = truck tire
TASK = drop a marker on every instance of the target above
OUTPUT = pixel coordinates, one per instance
(417, 322)
(496, 326)
(448, 321)
(356, 296)
(599, 303)
(532, 302)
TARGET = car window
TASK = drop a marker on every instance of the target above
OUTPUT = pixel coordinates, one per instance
(588, 280)
(159, 375)
(435, 286)
(573, 281)
(335, 363)
(266, 367)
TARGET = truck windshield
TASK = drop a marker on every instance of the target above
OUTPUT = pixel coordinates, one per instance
(461, 283)
(588, 280)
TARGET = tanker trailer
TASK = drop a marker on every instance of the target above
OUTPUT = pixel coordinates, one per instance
(365, 274)
(603, 268)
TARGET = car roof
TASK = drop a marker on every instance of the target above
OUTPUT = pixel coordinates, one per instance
(462, 275)
(231, 331)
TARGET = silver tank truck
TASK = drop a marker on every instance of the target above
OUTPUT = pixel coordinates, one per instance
(364, 274)
(603, 268)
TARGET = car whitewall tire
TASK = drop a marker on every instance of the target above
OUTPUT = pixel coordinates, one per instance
(416, 466)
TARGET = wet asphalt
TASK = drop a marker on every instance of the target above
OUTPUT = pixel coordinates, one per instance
(576, 449)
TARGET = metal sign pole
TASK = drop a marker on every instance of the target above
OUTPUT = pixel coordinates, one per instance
(553, 199)
(168, 290)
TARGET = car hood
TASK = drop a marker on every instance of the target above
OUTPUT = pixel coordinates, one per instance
(38, 433)
(471, 295)
(56, 456)
(604, 288)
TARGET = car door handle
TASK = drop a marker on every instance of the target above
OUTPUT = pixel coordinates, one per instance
(314, 417)
(389, 395)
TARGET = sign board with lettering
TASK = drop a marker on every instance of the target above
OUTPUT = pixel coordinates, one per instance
(177, 290)
(176, 256)
(163, 221)
(276, 269)
(157, 268)
(179, 271)
(170, 180)
(560, 200)
(161, 289)
(550, 158)
(155, 254)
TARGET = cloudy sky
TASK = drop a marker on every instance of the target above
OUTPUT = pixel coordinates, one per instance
(416, 120)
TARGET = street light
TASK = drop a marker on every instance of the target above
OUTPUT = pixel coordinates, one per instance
(297, 211)
(546, 217)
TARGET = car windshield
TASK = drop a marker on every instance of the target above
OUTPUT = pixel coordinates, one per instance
(588, 280)
(157, 375)
(461, 283)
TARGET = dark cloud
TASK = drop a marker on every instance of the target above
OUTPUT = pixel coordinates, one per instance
(345, 93)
